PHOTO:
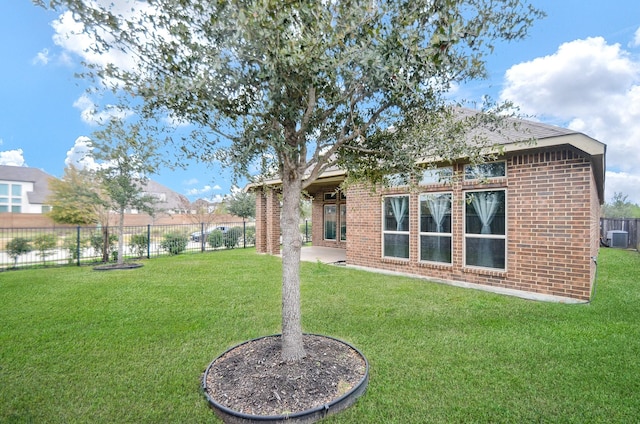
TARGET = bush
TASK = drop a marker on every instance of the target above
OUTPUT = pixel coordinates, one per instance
(216, 238)
(232, 236)
(97, 242)
(44, 244)
(174, 243)
(18, 246)
(70, 244)
(138, 243)
(250, 235)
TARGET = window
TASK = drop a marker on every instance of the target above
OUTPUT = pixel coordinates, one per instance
(396, 227)
(343, 222)
(435, 227)
(330, 221)
(437, 176)
(485, 229)
(485, 170)
(11, 200)
(397, 180)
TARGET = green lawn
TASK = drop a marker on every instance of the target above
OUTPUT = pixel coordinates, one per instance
(79, 346)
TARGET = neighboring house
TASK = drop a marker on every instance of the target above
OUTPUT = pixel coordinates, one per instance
(23, 189)
(526, 224)
(168, 201)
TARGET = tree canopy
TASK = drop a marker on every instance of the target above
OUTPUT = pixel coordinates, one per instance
(620, 207)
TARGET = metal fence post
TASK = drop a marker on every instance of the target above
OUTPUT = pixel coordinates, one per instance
(306, 230)
(148, 241)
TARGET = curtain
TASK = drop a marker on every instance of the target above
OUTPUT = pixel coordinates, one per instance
(486, 205)
(439, 207)
(399, 206)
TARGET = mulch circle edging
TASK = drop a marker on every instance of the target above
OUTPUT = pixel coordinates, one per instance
(110, 267)
(250, 378)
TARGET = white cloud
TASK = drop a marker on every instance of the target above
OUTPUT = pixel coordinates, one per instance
(42, 58)
(636, 39)
(91, 115)
(591, 87)
(80, 154)
(622, 182)
(190, 182)
(12, 158)
(203, 190)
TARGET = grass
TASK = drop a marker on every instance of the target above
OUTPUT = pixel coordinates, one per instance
(129, 346)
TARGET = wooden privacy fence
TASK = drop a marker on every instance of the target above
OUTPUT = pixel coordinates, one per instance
(629, 225)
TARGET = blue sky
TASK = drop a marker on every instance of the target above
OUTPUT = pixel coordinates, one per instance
(579, 68)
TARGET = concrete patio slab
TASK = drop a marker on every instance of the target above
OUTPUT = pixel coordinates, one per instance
(327, 255)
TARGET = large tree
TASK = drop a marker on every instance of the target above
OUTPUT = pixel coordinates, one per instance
(296, 86)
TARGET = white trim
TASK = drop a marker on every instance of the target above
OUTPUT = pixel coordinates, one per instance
(487, 236)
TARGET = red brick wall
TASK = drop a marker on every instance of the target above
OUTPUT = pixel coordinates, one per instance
(267, 222)
(551, 219)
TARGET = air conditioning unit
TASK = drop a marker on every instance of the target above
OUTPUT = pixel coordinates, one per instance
(617, 238)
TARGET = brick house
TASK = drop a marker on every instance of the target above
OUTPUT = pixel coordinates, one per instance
(526, 224)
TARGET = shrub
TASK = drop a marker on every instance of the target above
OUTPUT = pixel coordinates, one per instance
(250, 235)
(174, 243)
(216, 239)
(232, 236)
(97, 243)
(70, 244)
(18, 246)
(138, 243)
(44, 244)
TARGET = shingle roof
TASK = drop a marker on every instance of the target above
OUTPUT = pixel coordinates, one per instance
(39, 178)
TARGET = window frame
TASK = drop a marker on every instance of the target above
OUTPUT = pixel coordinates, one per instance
(335, 221)
(479, 175)
(406, 232)
(466, 235)
(436, 173)
(449, 234)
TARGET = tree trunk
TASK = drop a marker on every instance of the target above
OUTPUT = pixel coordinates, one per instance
(292, 347)
(121, 238)
(105, 244)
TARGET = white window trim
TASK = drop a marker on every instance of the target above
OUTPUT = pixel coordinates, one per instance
(486, 236)
(384, 232)
(421, 233)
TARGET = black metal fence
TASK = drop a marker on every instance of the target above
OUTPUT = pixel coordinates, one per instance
(29, 247)
(627, 229)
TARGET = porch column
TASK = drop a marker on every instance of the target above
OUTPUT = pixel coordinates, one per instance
(261, 221)
(272, 221)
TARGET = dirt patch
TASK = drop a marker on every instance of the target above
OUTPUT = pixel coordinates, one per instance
(253, 379)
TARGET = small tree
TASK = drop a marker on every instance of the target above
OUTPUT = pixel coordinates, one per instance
(44, 244)
(18, 246)
(242, 204)
(129, 156)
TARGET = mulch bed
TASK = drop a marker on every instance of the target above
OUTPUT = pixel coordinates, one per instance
(109, 267)
(253, 379)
